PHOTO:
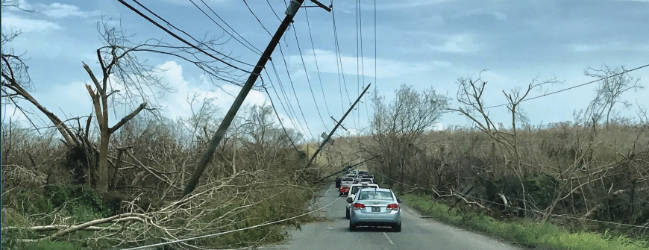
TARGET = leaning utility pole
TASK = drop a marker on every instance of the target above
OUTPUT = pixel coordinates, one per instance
(336, 127)
(291, 10)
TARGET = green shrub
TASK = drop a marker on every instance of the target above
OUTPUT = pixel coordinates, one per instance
(522, 231)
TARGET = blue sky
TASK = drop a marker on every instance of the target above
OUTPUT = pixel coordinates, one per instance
(423, 43)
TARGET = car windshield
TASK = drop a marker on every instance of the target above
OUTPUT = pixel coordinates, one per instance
(375, 195)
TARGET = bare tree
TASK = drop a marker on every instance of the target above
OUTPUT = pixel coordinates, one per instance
(471, 98)
(609, 92)
(123, 79)
(396, 126)
(16, 83)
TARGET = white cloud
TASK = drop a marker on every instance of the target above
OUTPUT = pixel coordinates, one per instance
(459, 43)
(583, 47)
(438, 126)
(23, 24)
(61, 10)
(482, 12)
(176, 104)
(610, 46)
(11, 113)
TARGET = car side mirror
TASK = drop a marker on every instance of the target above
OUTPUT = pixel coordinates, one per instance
(398, 200)
(349, 200)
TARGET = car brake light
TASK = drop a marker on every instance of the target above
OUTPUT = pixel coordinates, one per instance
(393, 206)
(358, 206)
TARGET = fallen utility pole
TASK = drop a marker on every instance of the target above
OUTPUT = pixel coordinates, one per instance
(336, 127)
(291, 10)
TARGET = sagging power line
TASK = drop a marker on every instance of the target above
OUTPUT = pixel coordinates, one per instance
(576, 86)
(216, 139)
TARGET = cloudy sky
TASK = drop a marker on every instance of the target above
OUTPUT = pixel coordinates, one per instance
(422, 43)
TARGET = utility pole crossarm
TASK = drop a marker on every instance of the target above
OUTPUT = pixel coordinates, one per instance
(341, 124)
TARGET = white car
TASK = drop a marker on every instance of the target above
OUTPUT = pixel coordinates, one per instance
(353, 190)
(375, 207)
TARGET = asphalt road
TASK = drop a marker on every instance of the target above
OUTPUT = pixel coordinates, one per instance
(417, 232)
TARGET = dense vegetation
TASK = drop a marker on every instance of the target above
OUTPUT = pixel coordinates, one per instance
(99, 181)
(589, 174)
(522, 231)
(257, 177)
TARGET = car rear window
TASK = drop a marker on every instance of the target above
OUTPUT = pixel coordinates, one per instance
(366, 179)
(348, 179)
(375, 195)
(356, 188)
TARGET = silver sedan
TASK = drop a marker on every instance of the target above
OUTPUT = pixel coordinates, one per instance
(375, 207)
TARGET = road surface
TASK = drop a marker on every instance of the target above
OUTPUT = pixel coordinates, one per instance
(417, 232)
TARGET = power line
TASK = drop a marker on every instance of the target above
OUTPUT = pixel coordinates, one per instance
(306, 14)
(281, 85)
(360, 34)
(375, 82)
(358, 79)
(339, 64)
(270, 79)
(297, 100)
(291, 110)
(240, 38)
(360, 26)
(576, 86)
(180, 38)
(308, 80)
(235, 230)
(273, 9)
(256, 17)
(286, 65)
(276, 114)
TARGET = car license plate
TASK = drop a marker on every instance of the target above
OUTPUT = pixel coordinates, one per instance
(376, 209)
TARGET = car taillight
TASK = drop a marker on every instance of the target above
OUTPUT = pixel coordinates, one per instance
(393, 206)
(358, 206)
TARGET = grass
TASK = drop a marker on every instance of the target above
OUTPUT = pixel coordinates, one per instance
(48, 245)
(520, 231)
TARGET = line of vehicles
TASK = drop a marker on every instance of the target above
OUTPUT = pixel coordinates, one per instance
(367, 203)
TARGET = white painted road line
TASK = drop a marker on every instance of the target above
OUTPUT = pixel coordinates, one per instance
(388, 237)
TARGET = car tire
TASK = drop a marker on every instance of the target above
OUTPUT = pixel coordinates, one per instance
(396, 227)
(352, 227)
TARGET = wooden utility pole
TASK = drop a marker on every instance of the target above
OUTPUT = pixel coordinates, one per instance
(291, 10)
(336, 127)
